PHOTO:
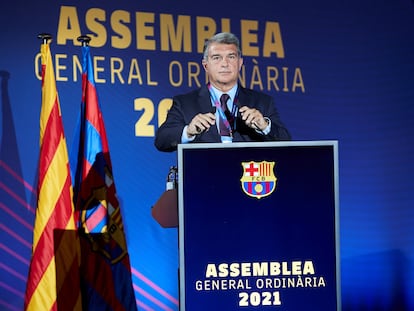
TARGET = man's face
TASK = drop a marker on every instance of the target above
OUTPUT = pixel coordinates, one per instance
(223, 65)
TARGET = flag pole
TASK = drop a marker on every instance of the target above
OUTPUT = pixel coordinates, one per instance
(84, 40)
(45, 37)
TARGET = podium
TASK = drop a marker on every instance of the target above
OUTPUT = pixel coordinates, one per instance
(258, 226)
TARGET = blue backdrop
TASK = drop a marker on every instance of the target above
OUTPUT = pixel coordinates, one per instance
(338, 70)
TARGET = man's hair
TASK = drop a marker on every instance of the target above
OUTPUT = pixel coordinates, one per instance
(222, 38)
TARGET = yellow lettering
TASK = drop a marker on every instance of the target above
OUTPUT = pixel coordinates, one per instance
(272, 74)
(256, 77)
(225, 24)
(179, 37)
(285, 79)
(145, 32)
(179, 81)
(59, 67)
(76, 65)
(38, 66)
(163, 108)
(193, 74)
(117, 69)
(134, 72)
(206, 27)
(298, 81)
(149, 82)
(93, 20)
(143, 126)
(98, 69)
(174, 35)
(123, 38)
(273, 40)
(249, 38)
(68, 26)
(242, 76)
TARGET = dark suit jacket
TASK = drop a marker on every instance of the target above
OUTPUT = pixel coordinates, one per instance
(186, 106)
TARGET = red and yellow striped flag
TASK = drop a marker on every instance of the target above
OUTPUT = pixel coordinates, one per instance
(53, 280)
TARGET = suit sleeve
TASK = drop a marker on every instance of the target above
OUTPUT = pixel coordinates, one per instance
(168, 135)
(278, 130)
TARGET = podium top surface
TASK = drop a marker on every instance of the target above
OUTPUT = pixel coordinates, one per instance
(259, 144)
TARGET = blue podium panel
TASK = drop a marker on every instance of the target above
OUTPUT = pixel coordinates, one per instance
(258, 226)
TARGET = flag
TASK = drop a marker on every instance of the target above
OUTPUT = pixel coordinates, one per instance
(105, 265)
(53, 280)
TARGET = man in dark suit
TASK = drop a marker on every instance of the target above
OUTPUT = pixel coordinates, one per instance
(222, 110)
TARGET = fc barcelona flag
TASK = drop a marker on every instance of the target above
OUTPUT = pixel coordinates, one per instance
(105, 265)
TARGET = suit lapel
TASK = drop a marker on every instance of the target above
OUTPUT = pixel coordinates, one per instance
(242, 97)
(204, 102)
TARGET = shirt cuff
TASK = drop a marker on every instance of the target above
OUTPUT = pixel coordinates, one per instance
(267, 129)
(184, 137)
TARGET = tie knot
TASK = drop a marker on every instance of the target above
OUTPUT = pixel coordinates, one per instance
(223, 100)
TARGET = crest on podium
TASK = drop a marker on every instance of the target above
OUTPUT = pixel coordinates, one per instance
(258, 179)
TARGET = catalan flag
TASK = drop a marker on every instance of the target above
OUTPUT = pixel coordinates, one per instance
(105, 265)
(53, 280)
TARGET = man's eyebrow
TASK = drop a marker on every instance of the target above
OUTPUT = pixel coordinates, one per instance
(219, 54)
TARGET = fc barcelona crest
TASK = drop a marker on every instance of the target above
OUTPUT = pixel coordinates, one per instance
(258, 179)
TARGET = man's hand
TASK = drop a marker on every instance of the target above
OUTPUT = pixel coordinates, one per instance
(201, 123)
(253, 118)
